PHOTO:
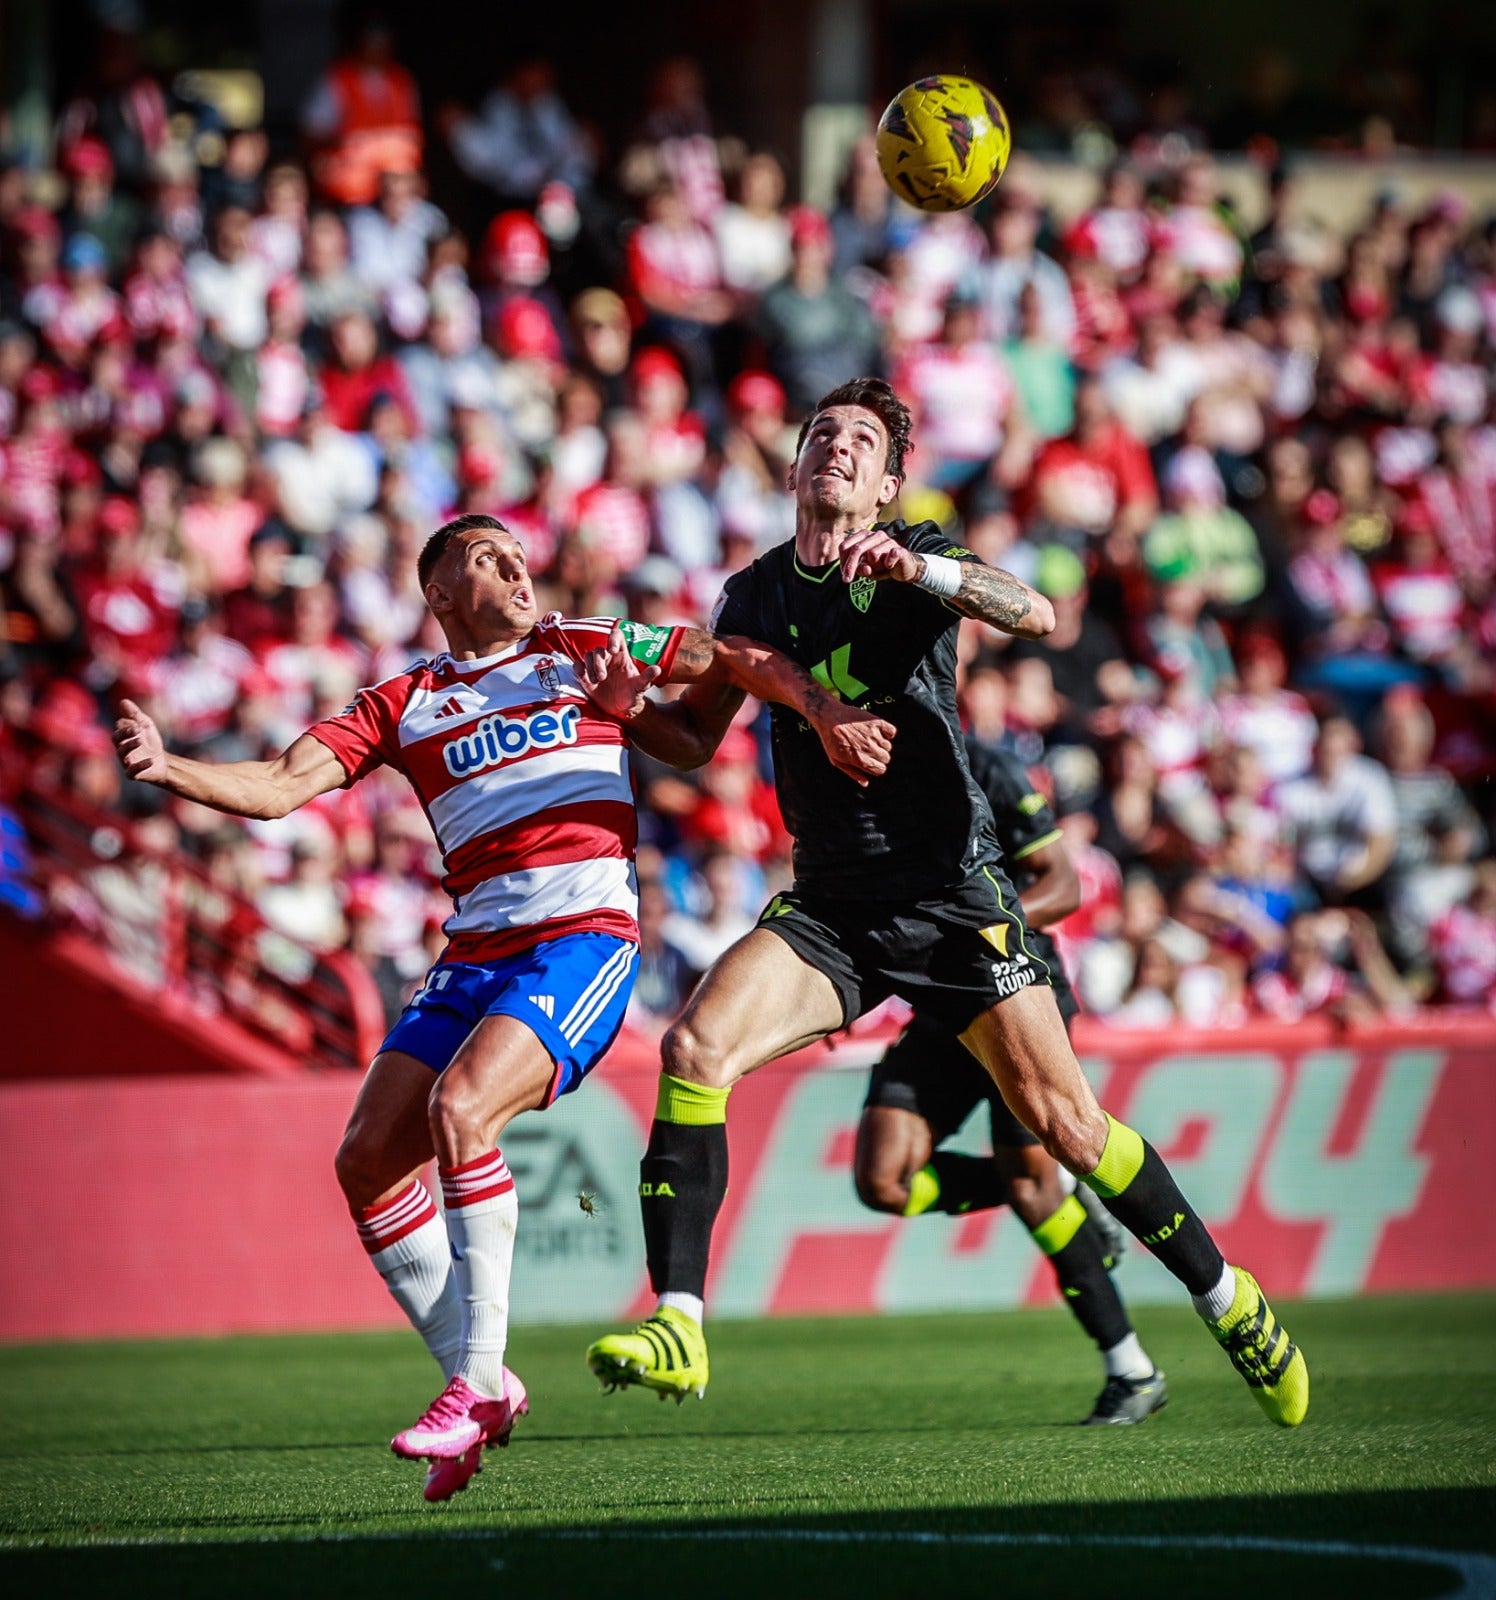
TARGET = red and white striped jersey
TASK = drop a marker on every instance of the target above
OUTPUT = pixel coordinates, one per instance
(525, 782)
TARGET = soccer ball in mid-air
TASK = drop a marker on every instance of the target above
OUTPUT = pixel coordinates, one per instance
(943, 143)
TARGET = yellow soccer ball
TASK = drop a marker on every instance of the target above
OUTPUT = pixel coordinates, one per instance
(943, 143)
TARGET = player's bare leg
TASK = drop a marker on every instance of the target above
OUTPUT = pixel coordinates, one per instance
(893, 1173)
(893, 1147)
(1022, 1042)
(501, 1070)
(759, 1001)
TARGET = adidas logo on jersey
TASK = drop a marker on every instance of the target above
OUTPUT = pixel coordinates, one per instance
(450, 707)
(546, 1002)
(497, 739)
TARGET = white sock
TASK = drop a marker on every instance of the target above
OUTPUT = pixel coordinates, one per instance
(408, 1246)
(482, 1215)
(1214, 1305)
(692, 1304)
(1127, 1359)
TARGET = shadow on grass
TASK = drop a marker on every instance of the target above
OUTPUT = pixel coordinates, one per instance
(792, 1428)
(1291, 1547)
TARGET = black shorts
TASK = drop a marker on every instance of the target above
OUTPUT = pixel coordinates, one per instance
(950, 957)
(927, 1070)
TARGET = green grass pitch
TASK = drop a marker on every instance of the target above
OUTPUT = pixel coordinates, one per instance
(918, 1456)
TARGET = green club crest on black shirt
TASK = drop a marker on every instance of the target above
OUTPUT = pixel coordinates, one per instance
(920, 827)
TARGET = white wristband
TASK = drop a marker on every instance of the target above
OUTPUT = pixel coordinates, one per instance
(942, 576)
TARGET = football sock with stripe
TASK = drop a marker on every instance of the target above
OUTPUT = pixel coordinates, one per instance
(682, 1183)
(1139, 1191)
(956, 1184)
(1074, 1247)
(482, 1215)
(408, 1246)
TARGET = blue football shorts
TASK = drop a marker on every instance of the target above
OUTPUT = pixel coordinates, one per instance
(571, 993)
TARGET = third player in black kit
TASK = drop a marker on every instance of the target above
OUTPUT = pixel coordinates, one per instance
(899, 888)
(928, 1084)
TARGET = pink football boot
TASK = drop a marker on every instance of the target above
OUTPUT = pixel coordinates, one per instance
(444, 1478)
(451, 1425)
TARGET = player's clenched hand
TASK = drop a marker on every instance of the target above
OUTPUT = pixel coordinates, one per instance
(856, 742)
(614, 681)
(138, 741)
(871, 554)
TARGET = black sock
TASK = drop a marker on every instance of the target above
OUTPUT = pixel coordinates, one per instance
(1074, 1246)
(682, 1183)
(960, 1184)
(1140, 1192)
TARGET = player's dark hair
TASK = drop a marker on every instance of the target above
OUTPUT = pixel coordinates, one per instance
(436, 546)
(874, 395)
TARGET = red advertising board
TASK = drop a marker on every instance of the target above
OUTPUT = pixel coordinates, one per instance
(1331, 1164)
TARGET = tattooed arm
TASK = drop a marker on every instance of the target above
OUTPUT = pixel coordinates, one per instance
(718, 672)
(997, 598)
(987, 594)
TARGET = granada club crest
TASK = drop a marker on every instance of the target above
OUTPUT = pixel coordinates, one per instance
(863, 590)
(550, 678)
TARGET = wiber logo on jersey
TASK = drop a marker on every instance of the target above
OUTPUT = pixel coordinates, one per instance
(498, 739)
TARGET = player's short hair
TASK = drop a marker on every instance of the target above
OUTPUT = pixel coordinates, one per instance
(874, 395)
(436, 546)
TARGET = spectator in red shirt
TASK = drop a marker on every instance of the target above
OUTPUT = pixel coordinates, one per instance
(196, 687)
(1309, 982)
(258, 612)
(677, 273)
(1116, 232)
(1096, 480)
(517, 263)
(282, 378)
(71, 314)
(220, 518)
(1463, 942)
(612, 519)
(963, 399)
(675, 438)
(129, 621)
(314, 655)
(737, 810)
(1421, 597)
(1461, 494)
(357, 372)
(157, 299)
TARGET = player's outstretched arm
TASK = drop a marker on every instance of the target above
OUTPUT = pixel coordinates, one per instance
(261, 789)
(685, 732)
(856, 742)
(987, 594)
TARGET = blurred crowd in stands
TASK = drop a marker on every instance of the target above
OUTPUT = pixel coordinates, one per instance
(1255, 474)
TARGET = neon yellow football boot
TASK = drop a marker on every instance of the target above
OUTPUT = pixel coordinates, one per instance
(666, 1353)
(1262, 1352)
